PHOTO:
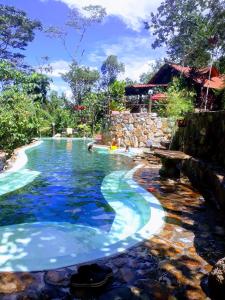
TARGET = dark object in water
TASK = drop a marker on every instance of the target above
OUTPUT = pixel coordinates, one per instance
(90, 147)
(91, 276)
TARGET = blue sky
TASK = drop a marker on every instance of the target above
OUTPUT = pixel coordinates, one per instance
(121, 34)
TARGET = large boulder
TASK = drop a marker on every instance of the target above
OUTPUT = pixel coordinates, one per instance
(217, 280)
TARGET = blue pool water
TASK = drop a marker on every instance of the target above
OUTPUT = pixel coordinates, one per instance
(66, 206)
(68, 188)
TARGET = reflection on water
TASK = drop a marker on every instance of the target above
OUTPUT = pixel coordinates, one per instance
(68, 188)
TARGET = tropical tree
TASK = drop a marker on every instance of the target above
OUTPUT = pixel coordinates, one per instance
(18, 120)
(81, 80)
(193, 31)
(80, 22)
(35, 85)
(117, 90)
(16, 32)
(94, 110)
(110, 69)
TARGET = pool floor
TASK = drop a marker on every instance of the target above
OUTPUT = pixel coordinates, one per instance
(80, 207)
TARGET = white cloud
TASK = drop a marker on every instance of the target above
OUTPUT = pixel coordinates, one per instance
(131, 12)
(59, 67)
(135, 67)
(135, 52)
(61, 88)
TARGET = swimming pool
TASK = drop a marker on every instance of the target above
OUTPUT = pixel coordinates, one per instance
(67, 205)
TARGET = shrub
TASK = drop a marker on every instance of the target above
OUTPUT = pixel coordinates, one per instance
(18, 120)
(180, 99)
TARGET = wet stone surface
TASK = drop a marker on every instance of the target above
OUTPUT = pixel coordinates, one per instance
(171, 265)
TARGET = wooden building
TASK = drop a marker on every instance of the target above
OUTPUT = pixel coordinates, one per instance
(207, 82)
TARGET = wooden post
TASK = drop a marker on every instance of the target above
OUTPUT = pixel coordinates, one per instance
(150, 105)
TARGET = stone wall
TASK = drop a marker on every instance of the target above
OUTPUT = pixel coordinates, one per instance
(136, 129)
(203, 137)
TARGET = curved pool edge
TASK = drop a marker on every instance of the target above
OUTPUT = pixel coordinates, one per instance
(17, 176)
(21, 158)
(106, 250)
(155, 222)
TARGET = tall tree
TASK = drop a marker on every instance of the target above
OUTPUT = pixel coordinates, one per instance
(192, 30)
(81, 80)
(16, 32)
(34, 85)
(110, 69)
(80, 22)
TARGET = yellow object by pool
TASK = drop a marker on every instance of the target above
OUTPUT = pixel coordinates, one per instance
(113, 147)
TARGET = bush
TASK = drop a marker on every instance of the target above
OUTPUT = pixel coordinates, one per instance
(18, 120)
(180, 99)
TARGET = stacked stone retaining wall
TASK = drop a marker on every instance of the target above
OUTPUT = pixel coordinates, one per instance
(136, 129)
(203, 137)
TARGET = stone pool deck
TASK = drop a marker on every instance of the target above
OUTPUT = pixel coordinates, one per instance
(171, 265)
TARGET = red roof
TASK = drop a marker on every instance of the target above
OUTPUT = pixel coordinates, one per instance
(200, 75)
(201, 71)
(159, 96)
(217, 83)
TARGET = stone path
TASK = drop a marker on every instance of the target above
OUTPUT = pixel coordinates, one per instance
(171, 265)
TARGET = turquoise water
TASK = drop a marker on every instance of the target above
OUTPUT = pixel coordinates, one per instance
(67, 187)
(69, 206)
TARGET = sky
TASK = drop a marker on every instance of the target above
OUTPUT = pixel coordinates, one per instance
(121, 33)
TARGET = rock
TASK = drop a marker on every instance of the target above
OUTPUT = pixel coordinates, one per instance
(138, 128)
(120, 261)
(58, 277)
(127, 274)
(38, 281)
(54, 293)
(29, 295)
(14, 282)
(220, 231)
(216, 281)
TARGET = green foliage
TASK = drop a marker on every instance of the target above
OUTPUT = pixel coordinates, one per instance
(116, 106)
(117, 93)
(81, 80)
(179, 99)
(220, 95)
(84, 130)
(117, 90)
(110, 69)
(56, 110)
(24, 106)
(220, 64)
(34, 84)
(94, 112)
(190, 29)
(18, 120)
(16, 31)
(37, 86)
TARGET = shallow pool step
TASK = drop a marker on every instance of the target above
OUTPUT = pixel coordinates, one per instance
(11, 181)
